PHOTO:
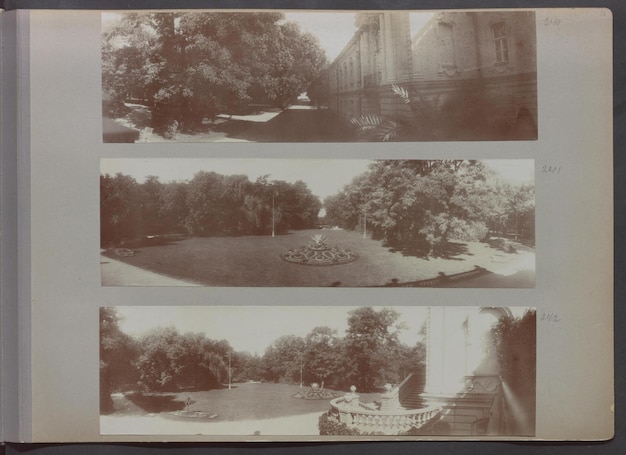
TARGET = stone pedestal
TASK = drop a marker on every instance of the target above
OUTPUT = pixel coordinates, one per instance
(390, 401)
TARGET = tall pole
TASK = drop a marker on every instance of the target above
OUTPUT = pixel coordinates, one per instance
(273, 216)
(229, 381)
(300, 370)
(365, 223)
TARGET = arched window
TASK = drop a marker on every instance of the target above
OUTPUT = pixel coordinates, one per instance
(501, 42)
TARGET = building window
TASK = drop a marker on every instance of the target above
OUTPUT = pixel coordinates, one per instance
(446, 45)
(351, 73)
(501, 42)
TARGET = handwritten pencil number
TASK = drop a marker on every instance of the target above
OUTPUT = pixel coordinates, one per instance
(549, 169)
(551, 21)
(551, 317)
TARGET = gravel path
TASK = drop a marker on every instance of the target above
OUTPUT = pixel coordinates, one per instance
(152, 424)
(117, 273)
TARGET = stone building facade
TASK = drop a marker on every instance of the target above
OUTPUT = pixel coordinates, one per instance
(464, 375)
(469, 387)
(470, 75)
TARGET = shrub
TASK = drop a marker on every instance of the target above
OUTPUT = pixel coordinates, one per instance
(328, 425)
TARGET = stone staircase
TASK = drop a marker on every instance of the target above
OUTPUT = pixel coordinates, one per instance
(410, 391)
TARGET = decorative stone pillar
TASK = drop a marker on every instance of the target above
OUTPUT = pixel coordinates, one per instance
(352, 400)
(462, 369)
(390, 401)
(395, 47)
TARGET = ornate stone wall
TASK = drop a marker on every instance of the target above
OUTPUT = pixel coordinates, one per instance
(485, 60)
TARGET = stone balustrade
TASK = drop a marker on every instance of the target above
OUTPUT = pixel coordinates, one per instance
(368, 418)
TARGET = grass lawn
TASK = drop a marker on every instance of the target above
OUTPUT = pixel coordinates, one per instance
(255, 261)
(245, 401)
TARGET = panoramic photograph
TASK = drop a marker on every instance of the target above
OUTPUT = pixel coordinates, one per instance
(317, 222)
(271, 76)
(329, 371)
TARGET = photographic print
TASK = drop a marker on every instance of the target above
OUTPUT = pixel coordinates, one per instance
(318, 371)
(338, 76)
(317, 223)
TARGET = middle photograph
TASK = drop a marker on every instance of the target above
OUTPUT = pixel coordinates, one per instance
(317, 222)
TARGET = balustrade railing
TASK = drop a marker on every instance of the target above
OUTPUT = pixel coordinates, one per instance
(368, 419)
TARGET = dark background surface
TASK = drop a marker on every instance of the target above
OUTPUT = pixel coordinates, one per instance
(615, 446)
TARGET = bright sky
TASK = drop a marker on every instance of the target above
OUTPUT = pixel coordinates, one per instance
(250, 328)
(323, 177)
(333, 29)
(254, 328)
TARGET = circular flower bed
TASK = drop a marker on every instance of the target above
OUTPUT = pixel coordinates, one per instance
(314, 255)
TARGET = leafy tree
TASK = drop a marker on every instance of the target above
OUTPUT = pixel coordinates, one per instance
(318, 90)
(129, 63)
(515, 339)
(188, 66)
(371, 341)
(208, 205)
(347, 208)
(248, 367)
(323, 356)
(296, 206)
(214, 204)
(207, 366)
(294, 61)
(173, 210)
(120, 216)
(118, 353)
(520, 211)
(164, 359)
(151, 200)
(284, 358)
(418, 206)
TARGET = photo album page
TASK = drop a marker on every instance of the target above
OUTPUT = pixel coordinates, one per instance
(262, 225)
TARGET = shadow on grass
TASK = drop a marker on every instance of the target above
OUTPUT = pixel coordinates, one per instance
(140, 116)
(169, 240)
(291, 126)
(154, 403)
(450, 251)
(441, 280)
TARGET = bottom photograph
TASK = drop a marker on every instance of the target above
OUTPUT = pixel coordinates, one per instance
(314, 371)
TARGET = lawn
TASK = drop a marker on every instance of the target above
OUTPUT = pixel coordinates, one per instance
(245, 401)
(255, 261)
(295, 124)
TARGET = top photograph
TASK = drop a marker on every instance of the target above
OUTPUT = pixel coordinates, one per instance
(270, 76)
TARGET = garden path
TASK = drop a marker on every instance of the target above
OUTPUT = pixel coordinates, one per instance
(117, 273)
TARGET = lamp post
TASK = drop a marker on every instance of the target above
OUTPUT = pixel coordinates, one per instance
(229, 372)
(273, 215)
(365, 223)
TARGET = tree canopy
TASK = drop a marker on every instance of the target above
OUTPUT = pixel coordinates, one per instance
(369, 355)
(418, 206)
(118, 353)
(210, 204)
(188, 66)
